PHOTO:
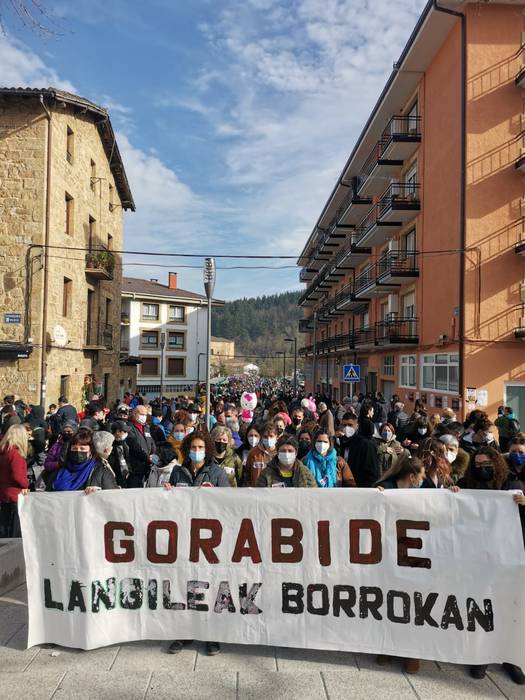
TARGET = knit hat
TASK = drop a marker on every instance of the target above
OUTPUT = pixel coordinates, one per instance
(119, 425)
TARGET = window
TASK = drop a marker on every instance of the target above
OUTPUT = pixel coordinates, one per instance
(408, 305)
(149, 339)
(412, 115)
(66, 297)
(408, 242)
(176, 341)
(92, 231)
(177, 314)
(108, 311)
(175, 366)
(407, 371)
(440, 372)
(64, 385)
(93, 176)
(70, 145)
(110, 198)
(389, 365)
(149, 366)
(69, 214)
(150, 312)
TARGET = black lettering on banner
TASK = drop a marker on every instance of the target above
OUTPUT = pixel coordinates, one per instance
(423, 608)
(325, 600)
(224, 600)
(76, 597)
(167, 603)
(107, 595)
(451, 614)
(193, 595)
(484, 619)
(247, 598)
(373, 605)
(153, 590)
(293, 594)
(131, 593)
(48, 597)
(391, 597)
(342, 603)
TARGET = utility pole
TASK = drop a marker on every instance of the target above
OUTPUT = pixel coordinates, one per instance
(162, 346)
(209, 286)
(294, 341)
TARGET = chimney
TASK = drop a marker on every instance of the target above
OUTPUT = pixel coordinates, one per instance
(172, 280)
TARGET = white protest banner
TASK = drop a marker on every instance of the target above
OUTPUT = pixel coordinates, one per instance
(412, 573)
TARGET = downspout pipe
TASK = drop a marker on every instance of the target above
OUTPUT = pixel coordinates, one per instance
(43, 360)
(462, 210)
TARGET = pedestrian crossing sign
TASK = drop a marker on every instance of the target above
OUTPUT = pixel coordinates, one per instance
(351, 373)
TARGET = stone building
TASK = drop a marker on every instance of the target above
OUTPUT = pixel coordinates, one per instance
(63, 190)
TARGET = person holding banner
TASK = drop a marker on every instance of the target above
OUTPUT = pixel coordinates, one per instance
(406, 473)
(437, 469)
(488, 470)
(83, 469)
(328, 468)
(285, 470)
(14, 447)
(260, 455)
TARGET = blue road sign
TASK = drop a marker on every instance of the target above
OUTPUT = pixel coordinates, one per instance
(351, 373)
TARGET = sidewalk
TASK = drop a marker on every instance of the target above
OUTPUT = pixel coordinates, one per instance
(143, 670)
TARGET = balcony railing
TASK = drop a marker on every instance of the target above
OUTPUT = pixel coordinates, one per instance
(365, 335)
(364, 280)
(306, 325)
(100, 263)
(397, 331)
(100, 338)
(397, 262)
(366, 224)
(399, 196)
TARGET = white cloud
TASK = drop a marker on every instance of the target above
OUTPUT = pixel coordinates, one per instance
(20, 67)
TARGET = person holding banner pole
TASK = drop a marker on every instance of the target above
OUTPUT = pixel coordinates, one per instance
(13, 478)
(488, 470)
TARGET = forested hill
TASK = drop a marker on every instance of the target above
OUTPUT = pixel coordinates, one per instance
(259, 325)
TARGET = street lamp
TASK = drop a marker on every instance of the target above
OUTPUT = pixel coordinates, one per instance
(294, 341)
(162, 346)
(283, 353)
(209, 286)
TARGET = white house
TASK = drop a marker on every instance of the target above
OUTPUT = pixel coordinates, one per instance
(166, 328)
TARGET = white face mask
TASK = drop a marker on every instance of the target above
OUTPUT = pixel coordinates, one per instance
(142, 418)
(286, 458)
(322, 447)
(422, 431)
(489, 437)
(193, 417)
(253, 440)
(387, 436)
(349, 431)
(451, 456)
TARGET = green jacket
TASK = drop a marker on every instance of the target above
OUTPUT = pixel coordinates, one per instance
(302, 476)
(387, 454)
(232, 465)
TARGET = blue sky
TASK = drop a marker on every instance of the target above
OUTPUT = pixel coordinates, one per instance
(234, 117)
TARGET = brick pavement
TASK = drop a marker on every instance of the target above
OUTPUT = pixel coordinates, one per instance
(143, 671)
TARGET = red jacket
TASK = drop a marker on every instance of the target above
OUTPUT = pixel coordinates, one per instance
(13, 475)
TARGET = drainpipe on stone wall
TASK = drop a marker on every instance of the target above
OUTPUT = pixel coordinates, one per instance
(43, 361)
(462, 224)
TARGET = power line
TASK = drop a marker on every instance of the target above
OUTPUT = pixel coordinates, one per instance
(185, 267)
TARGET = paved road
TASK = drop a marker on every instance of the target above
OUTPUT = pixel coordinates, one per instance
(144, 671)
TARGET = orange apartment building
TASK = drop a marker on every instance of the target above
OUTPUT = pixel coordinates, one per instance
(415, 267)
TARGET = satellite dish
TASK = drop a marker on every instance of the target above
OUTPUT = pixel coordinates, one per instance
(60, 336)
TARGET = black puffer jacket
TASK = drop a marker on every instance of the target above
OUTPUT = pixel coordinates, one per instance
(141, 447)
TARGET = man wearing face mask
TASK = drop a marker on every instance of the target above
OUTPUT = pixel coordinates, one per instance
(285, 470)
(57, 453)
(345, 436)
(260, 455)
(232, 422)
(119, 457)
(297, 422)
(480, 436)
(141, 448)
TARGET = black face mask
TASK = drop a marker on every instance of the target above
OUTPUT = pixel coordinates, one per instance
(296, 420)
(66, 436)
(304, 448)
(483, 474)
(220, 447)
(79, 457)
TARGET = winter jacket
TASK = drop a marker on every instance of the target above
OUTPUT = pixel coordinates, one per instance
(160, 475)
(302, 477)
(102, 477)
(141, 447)
(64, 413)
(364, 462)
(459, 466)
(380, 411)
(258, 459)
(56, 455)
(13, 475)
(211, 473)
(176, 444)
(323, 467)
(387, 455)
(232, 465)
(399, 421)
(119, 461)
(326, 421)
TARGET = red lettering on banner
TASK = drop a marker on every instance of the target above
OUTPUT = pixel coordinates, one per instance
(323, 542)
(246, 545)
(127, 545)
(375, 554)
(171, 528)
(404, 543)
(293, 540)
(205, 544)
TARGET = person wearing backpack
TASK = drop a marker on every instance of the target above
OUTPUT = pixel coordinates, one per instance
(508, 426)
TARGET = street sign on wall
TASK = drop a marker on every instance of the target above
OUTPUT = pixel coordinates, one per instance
(351, 373)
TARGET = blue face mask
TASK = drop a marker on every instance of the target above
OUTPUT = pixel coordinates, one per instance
(517, 458)
(155, 420)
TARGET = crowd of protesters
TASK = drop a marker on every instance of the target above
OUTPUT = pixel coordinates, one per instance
(287, 440)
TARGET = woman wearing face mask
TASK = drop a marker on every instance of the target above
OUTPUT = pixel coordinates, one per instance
(198, 468)
(304, 440)
(177, 436)
(345, 436)
(416, 432)
(437, 469)
(225, 454)
(481, 435)
(280, 421)
(488, 470)
(260, 455)
(232, 422)
(327, 467)
(83, 470)
(389, 450)
(57, 452)
(251, 439)
(285, 469)
(456, 457)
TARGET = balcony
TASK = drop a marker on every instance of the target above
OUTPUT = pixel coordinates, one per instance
(399, 203)
(364, 283)
(124, 319)
(373, 231)
(398, 142)
(306, 274)
(397, 332)
(307, 350)
(365, 337)
(397, 267)
(306, 325)
(100, 264)
(353, 208)
(100, 338)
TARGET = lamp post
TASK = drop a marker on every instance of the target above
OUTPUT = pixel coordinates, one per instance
(294, 341)
(162, 346)
(209, 286)
(283, 353)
